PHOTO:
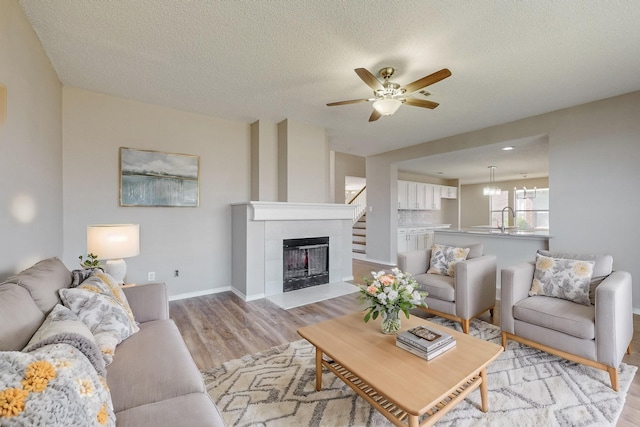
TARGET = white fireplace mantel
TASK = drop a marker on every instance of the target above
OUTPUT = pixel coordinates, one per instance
(285, 211)
(259, 228)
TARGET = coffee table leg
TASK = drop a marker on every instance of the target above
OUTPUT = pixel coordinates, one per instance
(413, 421)
(484, 390)
(318, 369)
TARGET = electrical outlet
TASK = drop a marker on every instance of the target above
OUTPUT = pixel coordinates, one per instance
(176, 273)
(151, 275)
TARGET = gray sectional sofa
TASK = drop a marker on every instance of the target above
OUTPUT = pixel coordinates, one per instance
(153, 380)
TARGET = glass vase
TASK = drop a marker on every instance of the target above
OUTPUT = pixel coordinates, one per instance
(391, 321)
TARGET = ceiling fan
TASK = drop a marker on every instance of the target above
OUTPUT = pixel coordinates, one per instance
(388, 96)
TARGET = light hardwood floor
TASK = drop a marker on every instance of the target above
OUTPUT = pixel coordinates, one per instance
(222, 327)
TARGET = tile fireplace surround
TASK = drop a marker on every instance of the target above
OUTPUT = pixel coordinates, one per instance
(258, 230)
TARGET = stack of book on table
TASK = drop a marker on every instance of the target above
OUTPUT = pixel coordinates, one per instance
(425, 342)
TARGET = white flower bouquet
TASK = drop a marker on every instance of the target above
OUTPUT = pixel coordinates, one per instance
(387, 294)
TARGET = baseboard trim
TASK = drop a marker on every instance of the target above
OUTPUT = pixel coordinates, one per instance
(246, 297)
(199, 293)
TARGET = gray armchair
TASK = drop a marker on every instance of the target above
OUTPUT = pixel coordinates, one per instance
(595, 335)
(468, 294)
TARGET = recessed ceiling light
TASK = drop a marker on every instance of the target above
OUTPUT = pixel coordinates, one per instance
(507, 148)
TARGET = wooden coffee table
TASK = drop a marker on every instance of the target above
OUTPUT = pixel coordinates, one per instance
(402, 386)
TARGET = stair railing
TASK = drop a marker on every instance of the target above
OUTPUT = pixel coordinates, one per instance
(360, 203)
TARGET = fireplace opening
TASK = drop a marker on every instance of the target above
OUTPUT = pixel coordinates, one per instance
(305, 263)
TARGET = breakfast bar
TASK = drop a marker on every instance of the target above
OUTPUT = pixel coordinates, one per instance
(510, 248)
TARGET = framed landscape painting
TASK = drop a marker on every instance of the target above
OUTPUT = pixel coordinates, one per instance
(154, 178)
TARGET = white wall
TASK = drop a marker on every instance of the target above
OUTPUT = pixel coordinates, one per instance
(30, 147)
(593, 158)
(196, 241)
(303, 163)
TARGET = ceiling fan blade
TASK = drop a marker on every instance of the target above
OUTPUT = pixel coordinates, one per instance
(351, 101)
(420, 103)
(369, 79)
(427, 80)
(374, 116)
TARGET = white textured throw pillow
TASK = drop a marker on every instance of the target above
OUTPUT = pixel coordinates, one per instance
(444, 259)
(101, 305)
(562, 278)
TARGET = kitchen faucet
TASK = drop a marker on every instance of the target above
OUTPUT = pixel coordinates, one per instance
(502, 227)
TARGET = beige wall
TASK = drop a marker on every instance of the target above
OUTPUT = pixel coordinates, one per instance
(475, 206)
(196, 241)
(30, 147)
(264, 161)
(346, 165)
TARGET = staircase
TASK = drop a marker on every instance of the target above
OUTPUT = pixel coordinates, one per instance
(359, 240)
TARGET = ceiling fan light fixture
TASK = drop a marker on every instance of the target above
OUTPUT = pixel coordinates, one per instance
(387, 106)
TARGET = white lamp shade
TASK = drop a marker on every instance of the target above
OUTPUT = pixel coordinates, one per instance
(387, 106)
(113, 241)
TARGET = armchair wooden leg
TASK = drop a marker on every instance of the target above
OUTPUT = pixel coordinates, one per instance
(504, 340)
(491, 311)
(465, 325)
(613, 374)
(629, 349)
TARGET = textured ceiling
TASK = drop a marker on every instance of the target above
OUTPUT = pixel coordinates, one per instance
(270, 60)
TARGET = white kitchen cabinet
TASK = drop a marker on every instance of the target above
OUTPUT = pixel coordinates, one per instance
(411, 239)
(421, 196)
(448, 192)
(437, 201)
(407, 239)
(418, 196)
(403, 201)
(412, 188)
(421, 241)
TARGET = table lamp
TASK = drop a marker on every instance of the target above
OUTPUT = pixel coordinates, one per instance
(113, 242)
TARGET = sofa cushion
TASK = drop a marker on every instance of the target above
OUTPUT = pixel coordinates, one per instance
(101, 305)
(43, 281)
(444, 259)
(151, 366)
(602, 268)
(558, 314)
(438, 286)
(193, 410)
(562, 278)
(20, 317)
(475, 250)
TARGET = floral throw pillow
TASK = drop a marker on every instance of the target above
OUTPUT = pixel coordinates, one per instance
(444, 259)
(102, 306)
(562, 278)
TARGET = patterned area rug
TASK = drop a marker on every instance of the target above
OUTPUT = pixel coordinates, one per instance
(527, 387)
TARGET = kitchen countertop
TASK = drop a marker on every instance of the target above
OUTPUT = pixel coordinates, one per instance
(428, 226)
(510, 234)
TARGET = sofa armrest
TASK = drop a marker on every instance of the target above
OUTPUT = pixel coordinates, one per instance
(148, 302)
(475, 288)
(515, 282)
(614, 318)
(414, 262)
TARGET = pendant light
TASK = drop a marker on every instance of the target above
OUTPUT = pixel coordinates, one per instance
(491, 189)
